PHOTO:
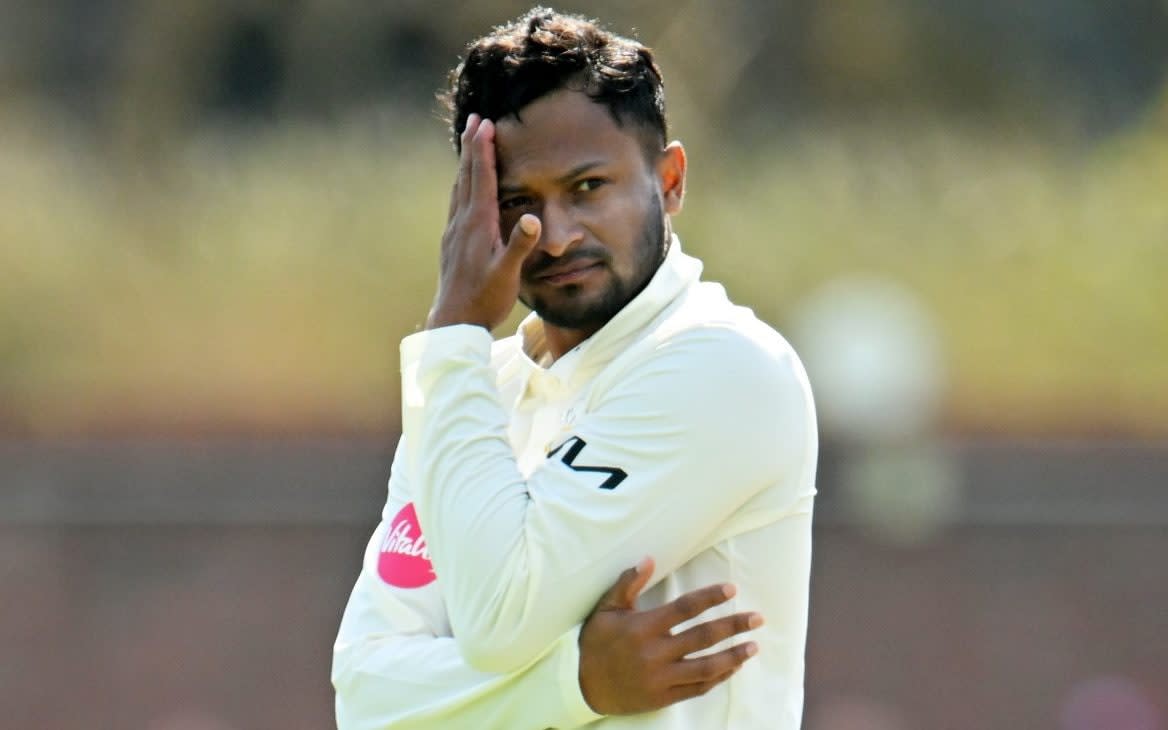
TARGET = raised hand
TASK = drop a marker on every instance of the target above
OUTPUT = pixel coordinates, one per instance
(479, 274)
(630, 661)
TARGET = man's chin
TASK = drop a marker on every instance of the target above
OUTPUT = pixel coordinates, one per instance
(573, 307)
(576, 318)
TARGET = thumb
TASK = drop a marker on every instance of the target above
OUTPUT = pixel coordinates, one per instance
(623, 593)
(524, 237)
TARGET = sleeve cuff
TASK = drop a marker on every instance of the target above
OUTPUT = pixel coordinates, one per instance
(438, 344)
(569, 680)
(424, 353)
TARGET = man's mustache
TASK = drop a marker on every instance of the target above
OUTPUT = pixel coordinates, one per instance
(545, 262)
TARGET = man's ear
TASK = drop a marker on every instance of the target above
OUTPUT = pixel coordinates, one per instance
(671, 174)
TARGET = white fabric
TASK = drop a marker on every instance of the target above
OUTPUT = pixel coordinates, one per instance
(706, 412)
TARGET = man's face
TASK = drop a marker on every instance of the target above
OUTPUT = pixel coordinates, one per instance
(599, 201)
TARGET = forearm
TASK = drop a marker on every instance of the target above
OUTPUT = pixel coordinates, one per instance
(386, 680)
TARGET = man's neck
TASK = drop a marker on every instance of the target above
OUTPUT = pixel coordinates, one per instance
(561, 339)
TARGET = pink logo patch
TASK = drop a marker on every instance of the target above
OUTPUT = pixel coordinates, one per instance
(405, 561)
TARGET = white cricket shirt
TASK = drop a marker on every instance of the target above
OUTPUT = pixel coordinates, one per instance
(683, 429)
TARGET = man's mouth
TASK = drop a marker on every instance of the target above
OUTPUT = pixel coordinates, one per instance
(569, 273)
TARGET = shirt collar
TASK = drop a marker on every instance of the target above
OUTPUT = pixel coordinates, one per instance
(676, 272)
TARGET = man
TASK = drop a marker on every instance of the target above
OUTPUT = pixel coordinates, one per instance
(637, 412)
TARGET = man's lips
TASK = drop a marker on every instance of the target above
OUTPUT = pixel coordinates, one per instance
(568, 273)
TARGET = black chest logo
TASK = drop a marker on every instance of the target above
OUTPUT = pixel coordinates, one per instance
(615, 475)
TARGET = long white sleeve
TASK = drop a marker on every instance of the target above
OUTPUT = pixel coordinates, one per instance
(703, 424)
(391, 670)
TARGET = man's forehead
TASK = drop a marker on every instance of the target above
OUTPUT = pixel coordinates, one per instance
(557, 133)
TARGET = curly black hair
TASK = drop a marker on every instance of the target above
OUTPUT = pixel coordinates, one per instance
(544, 51)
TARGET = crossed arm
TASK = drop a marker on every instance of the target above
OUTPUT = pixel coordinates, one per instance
(391, 671)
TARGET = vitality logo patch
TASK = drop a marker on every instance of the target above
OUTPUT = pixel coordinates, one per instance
(404, 560)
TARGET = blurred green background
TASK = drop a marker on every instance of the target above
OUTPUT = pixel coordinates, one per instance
(218, 219)
(226, 214)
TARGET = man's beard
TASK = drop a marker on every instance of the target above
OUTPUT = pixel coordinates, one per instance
(593, 314)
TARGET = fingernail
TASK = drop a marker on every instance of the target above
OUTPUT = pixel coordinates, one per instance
(527, 225)
(755, 620)
(751, 649)
(729, 590)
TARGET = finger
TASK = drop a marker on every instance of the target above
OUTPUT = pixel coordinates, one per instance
(679, 692)
(707, 634)
(524, 237)
(454, 199)
(644, 573)
(711, 666)
(623, 593)
(461, 192)
(484, 185)
(458, 191)
(689, 605)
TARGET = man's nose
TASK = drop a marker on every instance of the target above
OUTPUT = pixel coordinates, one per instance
(560, 231)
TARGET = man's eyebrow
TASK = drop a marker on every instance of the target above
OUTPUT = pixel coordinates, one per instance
(578, 170)
(575, 172)
(510, 189)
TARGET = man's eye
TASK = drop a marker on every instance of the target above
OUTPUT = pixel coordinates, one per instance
(513, 203)
(589, 184)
